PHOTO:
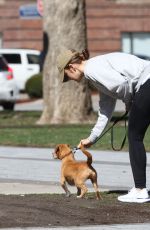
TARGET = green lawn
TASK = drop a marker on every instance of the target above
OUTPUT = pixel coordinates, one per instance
(20, 129)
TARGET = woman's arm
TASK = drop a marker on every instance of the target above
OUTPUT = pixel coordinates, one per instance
(106, 108)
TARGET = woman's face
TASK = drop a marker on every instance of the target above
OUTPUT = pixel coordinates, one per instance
(73, 72)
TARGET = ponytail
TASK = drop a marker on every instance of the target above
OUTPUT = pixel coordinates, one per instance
(85, 54)
(79, 57)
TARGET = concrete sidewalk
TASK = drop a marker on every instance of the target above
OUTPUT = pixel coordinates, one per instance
(99, 227)
(33, 170)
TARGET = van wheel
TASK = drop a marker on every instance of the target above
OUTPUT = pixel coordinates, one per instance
(8, 106)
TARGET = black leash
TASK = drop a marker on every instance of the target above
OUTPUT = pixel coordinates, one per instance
(123, 117)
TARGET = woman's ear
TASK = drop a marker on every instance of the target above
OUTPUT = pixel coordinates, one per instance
(72, 67)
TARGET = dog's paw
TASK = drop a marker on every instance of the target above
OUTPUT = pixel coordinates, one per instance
(68, 194)
(79, 197)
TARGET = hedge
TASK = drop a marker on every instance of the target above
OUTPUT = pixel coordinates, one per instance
(34, 86)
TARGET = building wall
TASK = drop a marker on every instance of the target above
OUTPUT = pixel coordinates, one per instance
(106, 20)
(17, 32)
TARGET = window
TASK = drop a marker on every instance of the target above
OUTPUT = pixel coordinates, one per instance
(136, 43)
(13, 58)
(3, 65)
(33, 59)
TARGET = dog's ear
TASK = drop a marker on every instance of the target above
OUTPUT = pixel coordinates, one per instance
(56, 153)
(59, 151)
(57, 148)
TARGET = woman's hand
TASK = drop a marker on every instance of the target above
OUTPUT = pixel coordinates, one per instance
(85, 143)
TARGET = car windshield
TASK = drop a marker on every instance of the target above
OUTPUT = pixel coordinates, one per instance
(3, 64)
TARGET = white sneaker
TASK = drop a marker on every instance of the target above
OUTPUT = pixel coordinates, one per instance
(136, 196)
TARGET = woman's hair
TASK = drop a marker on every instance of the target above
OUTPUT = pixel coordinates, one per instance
(84, 55)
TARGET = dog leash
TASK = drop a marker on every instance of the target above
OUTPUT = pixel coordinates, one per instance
(75, 149)
(123, 117)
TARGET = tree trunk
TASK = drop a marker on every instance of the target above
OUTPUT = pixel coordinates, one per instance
(65, 27)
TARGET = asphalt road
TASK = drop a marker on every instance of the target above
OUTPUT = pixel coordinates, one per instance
(33, 170)
(37, 105)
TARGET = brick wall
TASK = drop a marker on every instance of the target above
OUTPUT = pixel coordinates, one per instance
(17, 32)
(106, 20)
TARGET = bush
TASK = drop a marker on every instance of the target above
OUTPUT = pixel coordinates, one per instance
(34, 86)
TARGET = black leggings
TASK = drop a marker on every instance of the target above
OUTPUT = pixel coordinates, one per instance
(139, 120)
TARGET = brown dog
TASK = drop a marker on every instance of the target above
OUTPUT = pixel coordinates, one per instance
(76, 172)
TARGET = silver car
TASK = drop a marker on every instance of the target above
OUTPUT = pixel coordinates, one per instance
(9, 91)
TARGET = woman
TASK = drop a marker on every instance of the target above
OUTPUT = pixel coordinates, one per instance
(117, 76)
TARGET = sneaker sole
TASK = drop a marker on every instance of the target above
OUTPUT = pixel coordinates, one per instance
(145, 200)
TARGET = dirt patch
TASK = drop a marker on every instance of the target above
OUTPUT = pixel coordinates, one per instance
(57, 210)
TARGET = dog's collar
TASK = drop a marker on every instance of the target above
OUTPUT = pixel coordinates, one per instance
(71, 151)
(67, 154)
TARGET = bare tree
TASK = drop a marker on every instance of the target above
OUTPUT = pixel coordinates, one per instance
(64, 27)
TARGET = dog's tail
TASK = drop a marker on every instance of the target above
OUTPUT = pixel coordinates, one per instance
(89, 156)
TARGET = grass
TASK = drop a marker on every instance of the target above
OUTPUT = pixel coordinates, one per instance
(20, 129)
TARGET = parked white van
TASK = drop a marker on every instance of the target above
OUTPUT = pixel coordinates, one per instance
(24, 62)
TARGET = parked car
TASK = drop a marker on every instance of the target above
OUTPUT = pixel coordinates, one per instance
(143, 56)
(24, 62)
(9, 91)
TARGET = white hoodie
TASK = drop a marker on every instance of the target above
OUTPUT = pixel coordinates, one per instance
(116, 76)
